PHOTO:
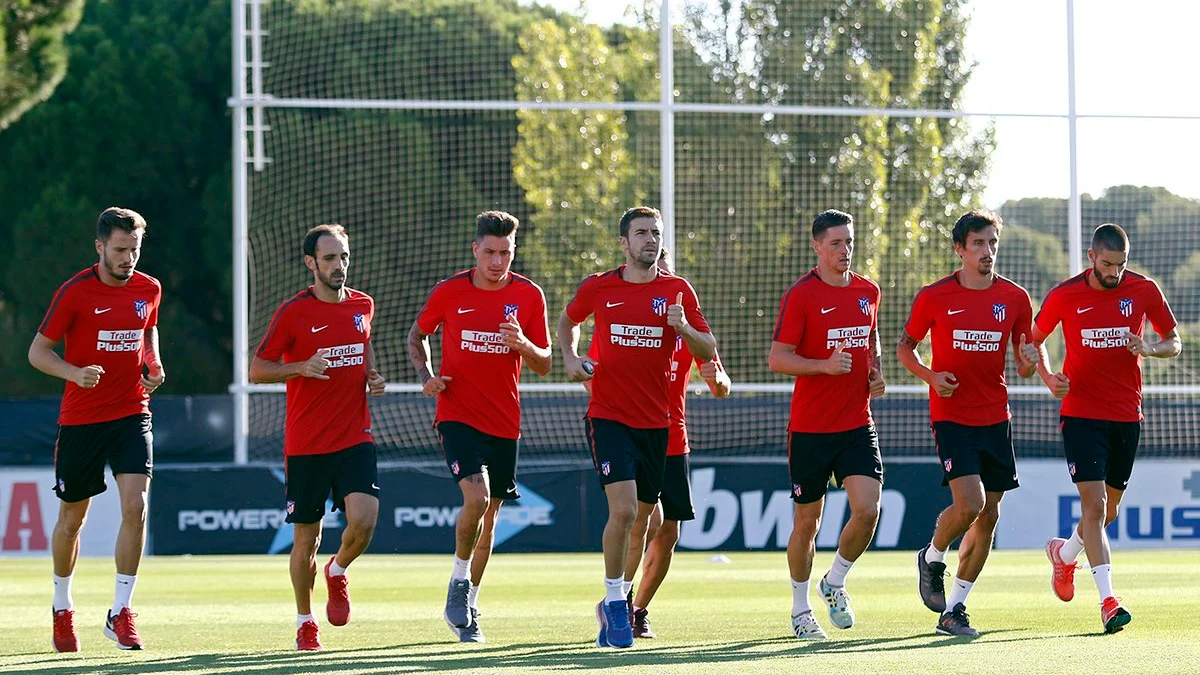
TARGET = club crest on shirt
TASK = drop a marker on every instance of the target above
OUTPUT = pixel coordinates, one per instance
(1071, 468)
(659, 305)
(605, 468)
(291, 507)
(948, 464)
(864, 305)
(510, 309)
(454, 467)
(797, 490)
(1126, 307)
(360, 323)
(998, 311)
(62, 486)
(141, 308)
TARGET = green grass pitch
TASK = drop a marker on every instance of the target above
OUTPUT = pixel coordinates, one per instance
(235, 615)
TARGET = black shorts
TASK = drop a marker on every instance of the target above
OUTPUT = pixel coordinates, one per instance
(311, 479)
(986, 452)
(1100, 450)
(813, 458)
(469, 451)
(676, 495)
(620, 452)
(125, 444)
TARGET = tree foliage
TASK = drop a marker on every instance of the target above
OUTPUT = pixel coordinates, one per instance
(33, 55)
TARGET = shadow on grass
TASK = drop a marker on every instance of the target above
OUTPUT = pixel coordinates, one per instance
(434, 657)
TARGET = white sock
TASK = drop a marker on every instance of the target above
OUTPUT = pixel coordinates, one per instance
(473, 596)
(1070, 550)
(958, 593)
(612, 590)
(626, 586)
(336, 570)
(1103, 576)
(933, 555)
(461, 569)
(838, 570)
(301, 619)
(800, 598)
(124, 594)
(62, 592)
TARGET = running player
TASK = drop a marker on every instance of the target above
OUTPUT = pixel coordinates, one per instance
(1103, 312)
(826, 337)
(319, 342)
(639, 311)
(107, 318)
(492, 320)
(972, 315)
(675, 503)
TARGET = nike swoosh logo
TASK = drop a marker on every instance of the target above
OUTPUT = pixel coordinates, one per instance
(952, 312)
(1081, 311)
(826, 311)
(610, 305)
(101, 311)
(465, 311)
(318, 330)
(374, 486)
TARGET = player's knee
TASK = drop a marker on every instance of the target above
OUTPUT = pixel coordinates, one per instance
(71, 524)
(970, 505)
(989, 516)
(133, 510)
(806, 528)
(623, 514)
(668, 534)
(866, 513)
(474, 505)
(1093, 510)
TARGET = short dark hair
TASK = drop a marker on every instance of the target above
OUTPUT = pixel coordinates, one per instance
(1110, 237)
(638, 212)
(117, 218)
(311, 237)
(495, 223)
(974, 221)
(830, 218)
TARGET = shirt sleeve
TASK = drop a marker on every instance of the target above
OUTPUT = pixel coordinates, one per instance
(875, 309)
(1050, 314)
(279, 336)
(535, 325)
(691, 308)
(60, 314)
(433, 313)
(919, 321)
(370, 316)
(152, 320)
(1023, 322)
(1159, 312)
(583, 304)
(789, 323)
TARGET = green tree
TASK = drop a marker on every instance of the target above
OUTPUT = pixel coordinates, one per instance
(576, 166)
(33, 53)
(904, 179)
(140, 121)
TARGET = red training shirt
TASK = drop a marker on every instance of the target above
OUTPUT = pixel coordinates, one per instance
(105, 326)
(484, 372)
(634, 344)
(971, 330)
(681, 375)
(1106, 379)
(815, 317)
(324, 416)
